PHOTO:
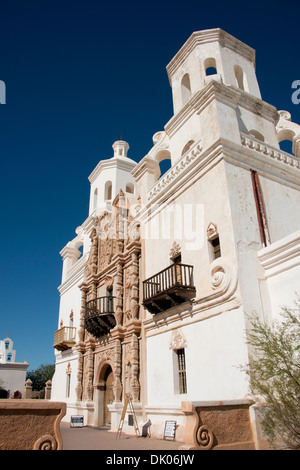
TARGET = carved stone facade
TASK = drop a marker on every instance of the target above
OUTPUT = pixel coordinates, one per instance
(112, 268)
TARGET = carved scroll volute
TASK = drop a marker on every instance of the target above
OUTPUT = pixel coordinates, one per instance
(223, 275)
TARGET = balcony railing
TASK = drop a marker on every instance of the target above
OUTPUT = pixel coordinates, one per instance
(99, 316)
(64, 338)
(171, 286)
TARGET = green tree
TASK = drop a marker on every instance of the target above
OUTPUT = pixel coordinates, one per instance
(40, 376)
(274, 372)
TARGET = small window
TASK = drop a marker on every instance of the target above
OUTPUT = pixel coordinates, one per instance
(9, 357)
(257, 135)
(210, 66)
(241, 79)
(187, 146)
(6, 344)
(108, 191)
(129, 188)
(216, 247)
(181, 371)
(185, 88)
(68, 385)
(95, 199)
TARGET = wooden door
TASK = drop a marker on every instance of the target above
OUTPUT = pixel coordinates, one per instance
(108, 397)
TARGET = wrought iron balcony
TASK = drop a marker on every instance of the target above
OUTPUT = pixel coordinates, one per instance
(171, 286)
(99, 316)
(64, 338)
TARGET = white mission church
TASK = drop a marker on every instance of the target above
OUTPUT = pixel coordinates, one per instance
(156, 304)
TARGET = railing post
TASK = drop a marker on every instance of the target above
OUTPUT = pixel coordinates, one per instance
(48, 389)
(28, 389)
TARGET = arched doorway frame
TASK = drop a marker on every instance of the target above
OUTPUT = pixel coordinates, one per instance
(100, 391)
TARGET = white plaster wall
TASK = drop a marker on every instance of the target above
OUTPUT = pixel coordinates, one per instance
(283, 290)
(206, 197)
(229, 60)
(280, 203)
(59, 381)
(249, 120)
(70, 300)
(215, 350)
(12, 377)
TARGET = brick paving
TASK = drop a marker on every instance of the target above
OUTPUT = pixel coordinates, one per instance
(91, 438)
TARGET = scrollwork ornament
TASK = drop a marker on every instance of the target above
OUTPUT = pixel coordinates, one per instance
(223, 273)
(46, 442)
(204, 438)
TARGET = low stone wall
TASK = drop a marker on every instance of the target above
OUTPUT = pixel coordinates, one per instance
(218, 425)
(31, 424)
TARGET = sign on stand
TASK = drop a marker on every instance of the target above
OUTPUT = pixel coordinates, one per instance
(170, 428)
(76, 421)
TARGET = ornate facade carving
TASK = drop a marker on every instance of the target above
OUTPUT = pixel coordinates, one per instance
(113, 266)
(175, 250)
(212, 231)
(178, 340)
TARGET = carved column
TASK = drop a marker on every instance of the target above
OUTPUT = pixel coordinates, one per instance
(119, 294)
(80, 346)
(117, 387)
(135, 369)
(90, 369)
(134, 294)
(94, 251)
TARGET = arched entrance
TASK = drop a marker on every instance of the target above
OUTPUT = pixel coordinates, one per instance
(108, 395)
(104, 395)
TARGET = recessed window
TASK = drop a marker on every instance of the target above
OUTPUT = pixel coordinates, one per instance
(185, 88)
(6, 344)
(187, 146)
(210, 66)
(129, 188)
(68, 385)
(181, 371)
(240, 77)
(108, 191)
(9, 357)
(216, 248)
(95, 199)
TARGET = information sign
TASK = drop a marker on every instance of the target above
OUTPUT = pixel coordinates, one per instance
(76, 421)
(170, 428)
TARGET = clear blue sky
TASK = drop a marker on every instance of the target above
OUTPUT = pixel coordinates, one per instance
(78, 73)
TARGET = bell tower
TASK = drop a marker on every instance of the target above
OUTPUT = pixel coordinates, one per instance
(211, 54)
(110, 176)
(216, 94)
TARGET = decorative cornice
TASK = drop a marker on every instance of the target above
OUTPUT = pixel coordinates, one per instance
(269, 151)
(175, 171)
(121, 163)
(281, 255)
(226, 94)
(147, 164)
